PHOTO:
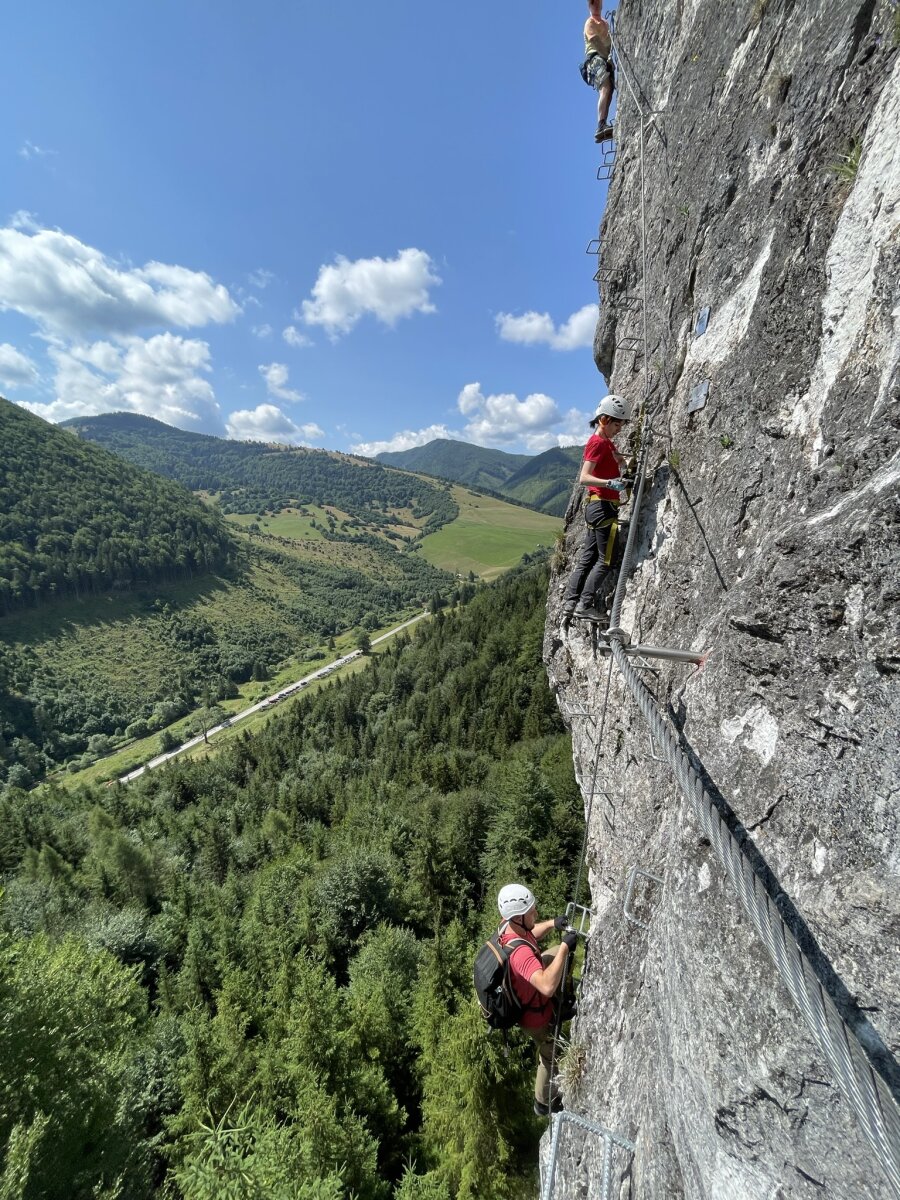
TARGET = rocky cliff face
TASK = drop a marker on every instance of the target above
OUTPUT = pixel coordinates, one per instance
(769, 536)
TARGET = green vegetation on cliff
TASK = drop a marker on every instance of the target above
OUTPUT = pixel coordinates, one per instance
(257, 968)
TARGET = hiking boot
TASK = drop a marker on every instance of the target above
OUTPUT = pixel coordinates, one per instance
(604, 132)
(587, 612)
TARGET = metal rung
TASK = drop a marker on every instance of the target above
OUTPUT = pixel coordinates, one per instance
(629, 303)
(643, 665)
(609, 275)
(629, 892)
(611, 1141)
(607, 161)
(593, 246)
(631, 345)
(586, 916)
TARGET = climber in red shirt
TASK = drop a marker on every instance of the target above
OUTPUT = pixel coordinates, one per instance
(536, 979)
(601, 553)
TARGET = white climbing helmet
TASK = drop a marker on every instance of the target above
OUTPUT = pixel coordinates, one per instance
(614, 406)
(514, 900)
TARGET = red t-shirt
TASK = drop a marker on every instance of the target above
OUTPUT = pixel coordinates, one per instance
(537, 1010)
(599, 451)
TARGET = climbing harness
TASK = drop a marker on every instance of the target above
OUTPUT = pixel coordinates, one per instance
(861, 1064)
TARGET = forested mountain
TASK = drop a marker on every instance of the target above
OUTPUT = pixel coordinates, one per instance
(76, 520)
(251, 976)
(475, 466)
(542, 481)
(251, 475)
(156, 602)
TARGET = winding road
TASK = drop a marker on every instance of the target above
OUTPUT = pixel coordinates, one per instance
(268, 702)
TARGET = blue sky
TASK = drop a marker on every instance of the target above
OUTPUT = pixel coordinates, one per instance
(350, 228)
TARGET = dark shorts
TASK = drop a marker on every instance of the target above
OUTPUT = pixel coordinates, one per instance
(597, 70)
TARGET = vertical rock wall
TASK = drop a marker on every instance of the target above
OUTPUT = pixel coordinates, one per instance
(769, 536)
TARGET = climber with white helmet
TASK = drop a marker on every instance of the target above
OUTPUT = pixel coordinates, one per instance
(536, 979)
(601, 552)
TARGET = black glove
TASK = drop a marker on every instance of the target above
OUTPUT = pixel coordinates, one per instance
(570, 939)
(560, 922)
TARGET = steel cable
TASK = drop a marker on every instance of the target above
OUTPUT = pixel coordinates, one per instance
(868, 1093)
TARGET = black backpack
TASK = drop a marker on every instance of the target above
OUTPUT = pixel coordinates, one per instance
(500, 1006)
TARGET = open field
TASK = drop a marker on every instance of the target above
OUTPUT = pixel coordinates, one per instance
(296, 523)
(488, 537)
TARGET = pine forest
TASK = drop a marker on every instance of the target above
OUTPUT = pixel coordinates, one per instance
(251, 976)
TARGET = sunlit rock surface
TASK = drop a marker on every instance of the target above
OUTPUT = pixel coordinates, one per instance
(769, 536)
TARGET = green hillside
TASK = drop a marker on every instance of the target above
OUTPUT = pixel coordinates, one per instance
(251, 976)
(128, 603)
(475, 466)
(249, 476)
(542, 481)
(546, 481)
(77, 521)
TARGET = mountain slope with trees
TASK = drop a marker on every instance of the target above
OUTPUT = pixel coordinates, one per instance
(270, 951)
(542, 481)
(475, 466)
(252, 475)
(75, 520)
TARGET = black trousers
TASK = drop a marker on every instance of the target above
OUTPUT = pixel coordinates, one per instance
(599, 558)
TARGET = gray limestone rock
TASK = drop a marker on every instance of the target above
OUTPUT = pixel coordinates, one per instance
(769, 536)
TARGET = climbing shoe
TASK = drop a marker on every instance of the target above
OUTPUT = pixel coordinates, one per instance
(604, 132)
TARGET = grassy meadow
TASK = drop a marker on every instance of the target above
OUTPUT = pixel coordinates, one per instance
(488, 537)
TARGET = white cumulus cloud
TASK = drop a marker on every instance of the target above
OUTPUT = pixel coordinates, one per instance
(267, 423)
(16, 369)
(295, 338)
(386, 289)
(503, 421)
(72, 289)
(276, 377)
(534, 328)
(405, 440)
(504, 418)
(262, 331)
(162, 377)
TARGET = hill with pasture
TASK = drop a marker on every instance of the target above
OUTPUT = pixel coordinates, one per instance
(542, 481)
(250, 477)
